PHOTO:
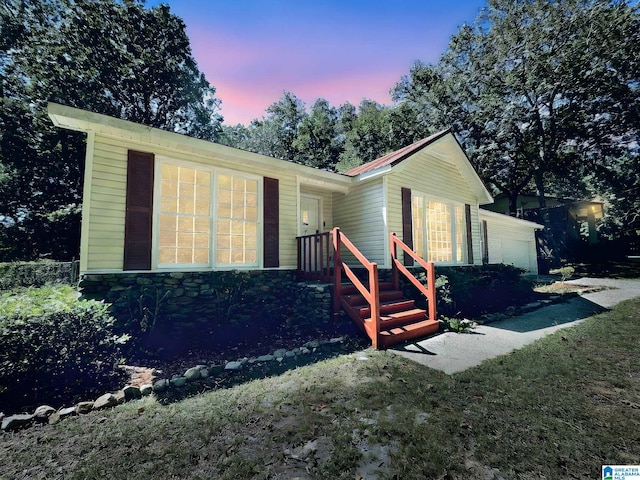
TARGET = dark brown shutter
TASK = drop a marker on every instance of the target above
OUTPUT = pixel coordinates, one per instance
(467, 219)
(407, 223)
(271, 217)
(485, 243)
(139, 211)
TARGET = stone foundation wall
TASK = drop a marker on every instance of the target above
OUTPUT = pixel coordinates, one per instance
(179, 300)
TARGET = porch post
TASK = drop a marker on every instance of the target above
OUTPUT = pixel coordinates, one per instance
(337, 269)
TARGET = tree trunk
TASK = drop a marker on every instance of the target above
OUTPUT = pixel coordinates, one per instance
(513, 203)
(540, 190)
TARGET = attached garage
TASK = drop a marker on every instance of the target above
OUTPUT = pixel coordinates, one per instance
(509, 240)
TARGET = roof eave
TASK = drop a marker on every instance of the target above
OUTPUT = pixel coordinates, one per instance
(84, 121)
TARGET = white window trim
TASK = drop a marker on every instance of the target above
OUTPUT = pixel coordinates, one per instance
(212, 265)
(452, 205)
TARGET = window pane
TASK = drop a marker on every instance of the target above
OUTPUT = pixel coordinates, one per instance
(170, 172)
(184, 222)
(224, 211)
(224, 227)
(202, 255)
(224, 241)
(223, 256)
(439, 234)
(169, 204)
(224, 181)
(166, 255)
(460, 234)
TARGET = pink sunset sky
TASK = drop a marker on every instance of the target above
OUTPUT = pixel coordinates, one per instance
(252, 51)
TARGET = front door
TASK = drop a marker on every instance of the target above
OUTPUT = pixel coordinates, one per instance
(309, 215)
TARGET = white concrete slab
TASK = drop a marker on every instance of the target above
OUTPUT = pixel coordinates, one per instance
(454, 352)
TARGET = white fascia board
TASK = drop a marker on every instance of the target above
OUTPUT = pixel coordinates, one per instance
(370, 175)
(500, 217)
(85, 121)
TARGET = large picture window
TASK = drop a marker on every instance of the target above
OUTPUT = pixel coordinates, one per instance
(206, 218)
(438, 229)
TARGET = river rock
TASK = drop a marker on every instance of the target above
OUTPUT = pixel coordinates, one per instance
(43, 412)
(160, 385)
(280, 353)
(16, 422)
(233, 366)
(105, 401)
(146, 389)
(84, 407)
(131, 392)
(178, 381)
(192, 374)
(67, 412)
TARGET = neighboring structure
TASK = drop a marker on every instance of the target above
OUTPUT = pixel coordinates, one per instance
(570, 225)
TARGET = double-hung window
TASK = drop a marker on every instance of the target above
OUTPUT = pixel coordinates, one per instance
(438, 229)
(206, 218)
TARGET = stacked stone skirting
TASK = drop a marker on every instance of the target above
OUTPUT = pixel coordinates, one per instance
(184, 300)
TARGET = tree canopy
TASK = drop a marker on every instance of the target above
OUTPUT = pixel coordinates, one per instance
(539, 91)
(117, 58)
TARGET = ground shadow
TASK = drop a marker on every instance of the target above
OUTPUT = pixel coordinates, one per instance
(220, 378)
(573, 309)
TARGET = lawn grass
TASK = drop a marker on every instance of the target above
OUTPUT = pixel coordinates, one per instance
(559, 408)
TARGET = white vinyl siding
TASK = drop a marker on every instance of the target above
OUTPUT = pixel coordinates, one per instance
(360, 214)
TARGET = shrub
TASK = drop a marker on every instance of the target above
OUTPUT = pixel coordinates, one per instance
(64, 355)
(36, 274)
(471, 291)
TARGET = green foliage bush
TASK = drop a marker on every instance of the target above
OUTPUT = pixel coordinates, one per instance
(471, 291)
(61, 356)
(474, 290)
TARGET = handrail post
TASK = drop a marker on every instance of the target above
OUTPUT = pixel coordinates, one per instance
(394, 257)
(337, 270)
(431, 285)
(299, 274)
(375, 304)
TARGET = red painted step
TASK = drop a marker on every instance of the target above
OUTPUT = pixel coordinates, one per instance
(387, 295)
(392, 306)
(408, 332)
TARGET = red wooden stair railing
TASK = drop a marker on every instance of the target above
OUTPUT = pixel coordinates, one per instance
(429, 291)
(380, 308)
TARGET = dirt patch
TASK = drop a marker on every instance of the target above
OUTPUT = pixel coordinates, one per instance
(563, 288)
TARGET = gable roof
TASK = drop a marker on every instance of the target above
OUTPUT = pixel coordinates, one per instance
(396, 157)
(443, 146)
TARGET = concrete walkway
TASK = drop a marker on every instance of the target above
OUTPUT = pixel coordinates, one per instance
(454, 352)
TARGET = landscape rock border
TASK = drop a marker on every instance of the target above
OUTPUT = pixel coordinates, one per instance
(47, 414)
